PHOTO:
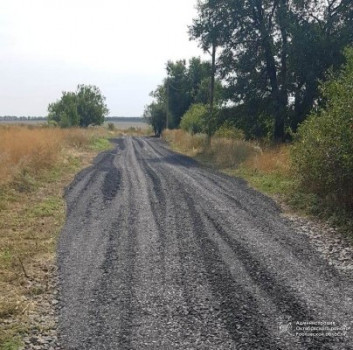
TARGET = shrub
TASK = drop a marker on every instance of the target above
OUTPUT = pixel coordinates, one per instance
(84, 107)
(193, 119)
(229, 131)
(111, 126)
(323, 153)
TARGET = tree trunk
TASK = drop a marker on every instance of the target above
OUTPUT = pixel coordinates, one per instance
(212, 88)
(279, 108)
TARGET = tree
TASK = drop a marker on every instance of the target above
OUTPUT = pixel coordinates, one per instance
(208, 29)
(84, 107)
(64, 112)
(185, 85)
(155, 115)
(273, 52)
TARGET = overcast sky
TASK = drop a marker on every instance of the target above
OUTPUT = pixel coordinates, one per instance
(122, 46)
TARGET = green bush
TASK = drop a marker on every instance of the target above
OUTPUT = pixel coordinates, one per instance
(194, 119)
(323, 153)
(82, 108)
(229, 131)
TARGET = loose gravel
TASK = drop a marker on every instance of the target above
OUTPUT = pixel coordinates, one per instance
(161, 253)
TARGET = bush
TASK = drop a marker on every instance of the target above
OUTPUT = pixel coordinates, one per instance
(111, 126)
(323, 153)
(229, 131)
(84, 107)
(193, 119)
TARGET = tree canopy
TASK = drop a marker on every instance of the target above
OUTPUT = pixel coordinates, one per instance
(84, 107)
(272, 53)
(186, 83)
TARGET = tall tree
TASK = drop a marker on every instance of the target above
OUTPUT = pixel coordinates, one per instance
(208, 29)
(272, 52)
(185, 84)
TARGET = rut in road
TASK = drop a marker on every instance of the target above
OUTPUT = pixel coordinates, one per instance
(160, 253)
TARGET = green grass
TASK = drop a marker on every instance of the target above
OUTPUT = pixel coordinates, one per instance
(270, 183)
(101, 144)
(13, 344)
(48, 207)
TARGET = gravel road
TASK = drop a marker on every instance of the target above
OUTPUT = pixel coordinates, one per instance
(159, 252)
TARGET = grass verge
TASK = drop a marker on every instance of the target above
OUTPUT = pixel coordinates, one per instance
(266, 168)
(36, 164)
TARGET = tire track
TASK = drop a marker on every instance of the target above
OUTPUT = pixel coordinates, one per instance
(160, 253)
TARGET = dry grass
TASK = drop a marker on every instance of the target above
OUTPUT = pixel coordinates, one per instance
(36, 163)
(229, 153)
(222, 152)
(275, 159)
(185, 142)
(266, 168)
(30, 150)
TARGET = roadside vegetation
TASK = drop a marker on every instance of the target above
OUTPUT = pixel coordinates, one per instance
(313, 174)
(36, 163)
(273, 104)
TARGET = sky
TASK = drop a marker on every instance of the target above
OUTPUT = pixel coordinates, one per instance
(121, 46)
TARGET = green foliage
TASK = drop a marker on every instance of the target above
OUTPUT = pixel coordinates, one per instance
(100, 144)
(323, 153)
(249, 119)
(84, 107)
(156, 116)
(186, 84)
(229, 131)
(272, 53)
(64, 112)
(194, 119)
(13, 344)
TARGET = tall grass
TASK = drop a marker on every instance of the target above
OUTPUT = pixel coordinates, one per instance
(184, 141)
(271, 159)
(220, 151)
(36, 163)
(28, 150)
(267, 168)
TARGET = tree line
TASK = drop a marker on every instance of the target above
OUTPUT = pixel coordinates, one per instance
(267, 58)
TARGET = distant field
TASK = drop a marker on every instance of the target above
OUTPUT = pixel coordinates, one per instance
(122, 125)
(126, 125)
(26, 122)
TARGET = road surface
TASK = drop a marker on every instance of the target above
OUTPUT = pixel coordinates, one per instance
(159, 252)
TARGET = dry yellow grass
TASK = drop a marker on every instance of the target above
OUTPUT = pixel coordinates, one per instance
(266, 168)
(185, 142)
(33, 149)
(220, 151)
(36, 163)
(275, 159)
